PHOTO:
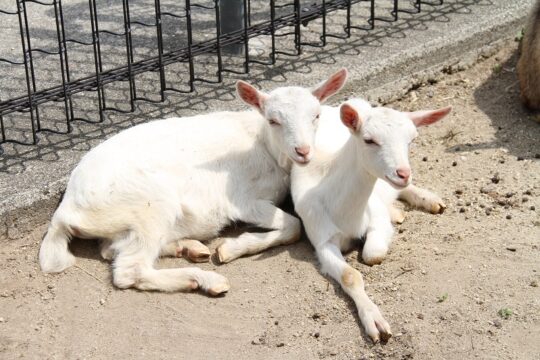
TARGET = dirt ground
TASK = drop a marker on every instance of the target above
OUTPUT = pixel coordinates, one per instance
(461, 285)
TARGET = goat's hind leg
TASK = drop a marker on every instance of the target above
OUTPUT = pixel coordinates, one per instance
(350, 279)
(284, 229)
(422, 199)
(134, 267)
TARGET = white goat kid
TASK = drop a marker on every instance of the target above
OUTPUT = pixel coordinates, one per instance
(163, 186)
(334, 194)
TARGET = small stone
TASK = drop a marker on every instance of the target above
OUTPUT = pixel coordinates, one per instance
(495, 179)
(467, 203)
(488, 211)
(255, 342)
(458, 192)
(420, 316)
(102, 301)
(486, 189)
(281, 344)
(462, 210)
(508, 217)
(324, 322)
(509, 194)
(534, 283)
(532, 208)
(276, 322)
(2, 320)
(50, 286)
(524, 199)
(459, 203)
(511, 248)
(454, 163)
(425, 158)
(12, 233)
(527, 192)
(520, 158)
(316, 316)
(317, 335)
(497, 323)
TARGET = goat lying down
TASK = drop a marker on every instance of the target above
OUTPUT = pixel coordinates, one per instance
(161, 187)
(339, 197)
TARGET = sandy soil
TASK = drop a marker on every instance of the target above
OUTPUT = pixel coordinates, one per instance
(442, 287)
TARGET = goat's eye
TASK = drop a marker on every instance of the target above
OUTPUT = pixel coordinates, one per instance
(370, 142)
(273, 122)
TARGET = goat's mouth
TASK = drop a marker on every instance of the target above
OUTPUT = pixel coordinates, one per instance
(301, 161)
(395, 184)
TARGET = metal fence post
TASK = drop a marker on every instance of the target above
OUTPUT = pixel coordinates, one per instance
(232, 19)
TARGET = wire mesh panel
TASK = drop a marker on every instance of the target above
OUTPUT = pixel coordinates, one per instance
(73, 60)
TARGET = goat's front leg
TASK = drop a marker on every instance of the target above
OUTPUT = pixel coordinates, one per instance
(350, 279)
(422, 199)
(284, 229)
(378, 234)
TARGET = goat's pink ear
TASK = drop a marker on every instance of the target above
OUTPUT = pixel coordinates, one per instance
(250, 95)
(330, 86)
(428, 117)
(350, 117)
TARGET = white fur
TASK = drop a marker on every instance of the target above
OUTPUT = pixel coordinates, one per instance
(335, 197)
(185, 179)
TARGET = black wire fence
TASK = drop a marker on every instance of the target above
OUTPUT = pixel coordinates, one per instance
(85, 48)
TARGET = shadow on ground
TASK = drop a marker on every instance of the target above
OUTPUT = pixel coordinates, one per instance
(516, 128)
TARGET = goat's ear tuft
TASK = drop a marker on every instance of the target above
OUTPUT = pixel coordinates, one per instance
(350, 117)
(428, 117)
(250, 95)
(331, 86)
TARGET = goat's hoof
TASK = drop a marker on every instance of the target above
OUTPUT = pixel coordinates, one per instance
(197, 255)
(373, 260)
(438, 208)
(398, 217)
(374, 253)
(223, 255)
(213, 283)
(219, 289)
(376, 326)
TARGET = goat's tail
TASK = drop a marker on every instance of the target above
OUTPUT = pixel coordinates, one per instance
(54, 254)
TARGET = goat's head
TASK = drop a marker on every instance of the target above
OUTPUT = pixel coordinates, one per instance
(383, 136)
(292, 113)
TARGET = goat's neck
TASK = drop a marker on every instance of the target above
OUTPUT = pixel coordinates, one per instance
(282, 159)
(352, 181)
